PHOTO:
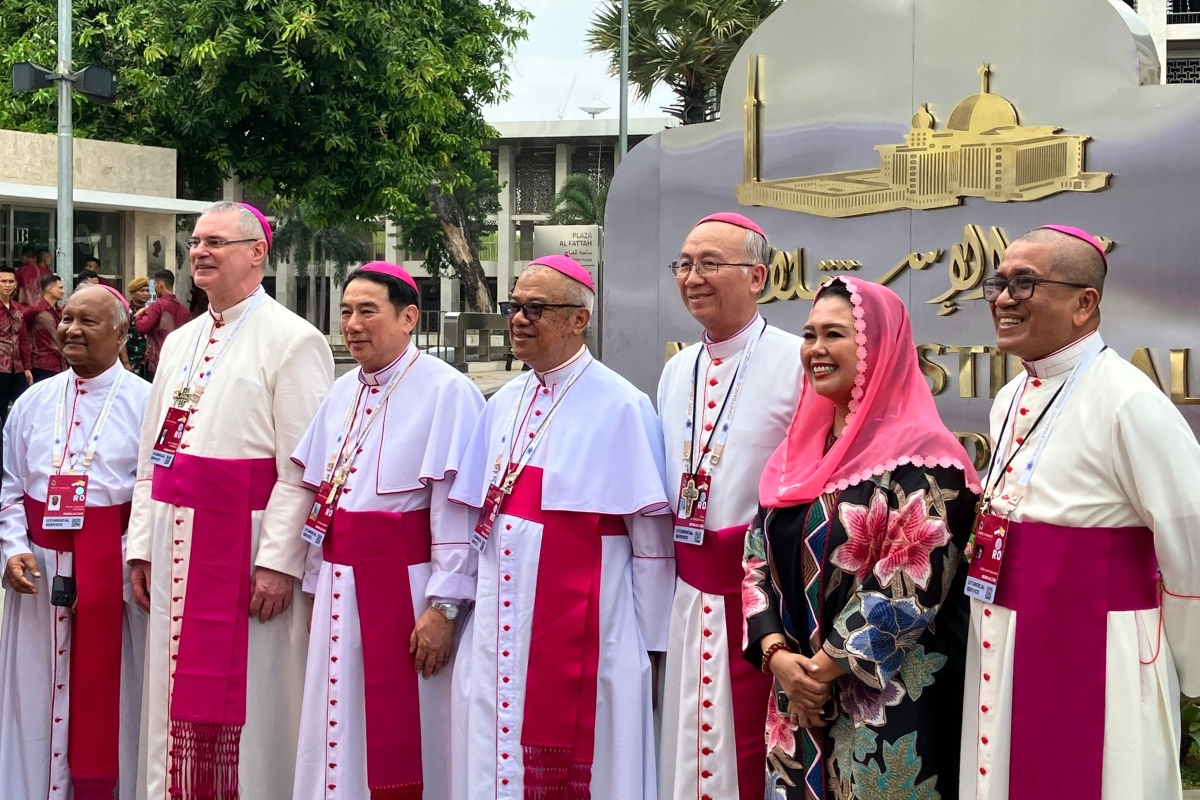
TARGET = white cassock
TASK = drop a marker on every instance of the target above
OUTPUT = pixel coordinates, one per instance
(36, 647)
(397, 488)
(233, 476)
(1077, 610)
(715, 704)
(552, 679)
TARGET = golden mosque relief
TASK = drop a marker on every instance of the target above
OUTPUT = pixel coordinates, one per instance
(984, 151)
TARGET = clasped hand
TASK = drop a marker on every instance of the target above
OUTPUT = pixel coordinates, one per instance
(806, 693)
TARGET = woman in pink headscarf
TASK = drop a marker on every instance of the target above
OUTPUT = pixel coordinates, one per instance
(853, 594)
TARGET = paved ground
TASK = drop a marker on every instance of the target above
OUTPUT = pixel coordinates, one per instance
(488, 382)
(1192, 794)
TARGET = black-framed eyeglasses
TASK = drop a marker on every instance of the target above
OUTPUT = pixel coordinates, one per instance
(216, 244)
(1020, 287)
(533, 311)
(703, 268)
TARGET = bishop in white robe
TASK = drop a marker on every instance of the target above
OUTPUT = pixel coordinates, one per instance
(1074, 671)
(552, 680)
(715, 703)
(215, 533)
(374, 722)
(71, 675)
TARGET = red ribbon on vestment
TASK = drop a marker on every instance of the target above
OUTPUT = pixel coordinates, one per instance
(97, 624)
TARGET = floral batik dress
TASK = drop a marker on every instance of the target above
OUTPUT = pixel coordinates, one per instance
(873, 575)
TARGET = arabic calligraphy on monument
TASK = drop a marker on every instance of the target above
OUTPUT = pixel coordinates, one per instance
(984, 151)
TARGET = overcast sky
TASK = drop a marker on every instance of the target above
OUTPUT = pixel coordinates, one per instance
(552, 59)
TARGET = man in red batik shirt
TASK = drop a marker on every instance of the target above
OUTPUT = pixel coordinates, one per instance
(159, 318)
(42, 320)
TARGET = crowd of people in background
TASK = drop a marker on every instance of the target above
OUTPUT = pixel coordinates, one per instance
(783, 582)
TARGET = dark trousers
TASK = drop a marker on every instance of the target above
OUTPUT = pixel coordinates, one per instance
(11, 386)
(42, 374)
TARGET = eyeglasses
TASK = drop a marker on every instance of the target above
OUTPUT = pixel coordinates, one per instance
(216, 244)
(1020, 287)
(533, 311)
(703, 269)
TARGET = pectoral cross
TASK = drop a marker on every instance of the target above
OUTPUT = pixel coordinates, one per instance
(338, 480)
(182, 396)
(689, 495)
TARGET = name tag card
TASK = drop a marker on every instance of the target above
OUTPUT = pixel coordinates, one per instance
(66, 498)
(169, 436)
(692, 509)
(983, 575)
(487, 518)
(321, 515)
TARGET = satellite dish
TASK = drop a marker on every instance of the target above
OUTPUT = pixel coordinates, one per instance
(595, 106)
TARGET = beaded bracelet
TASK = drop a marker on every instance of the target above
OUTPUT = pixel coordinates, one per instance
(771, 651)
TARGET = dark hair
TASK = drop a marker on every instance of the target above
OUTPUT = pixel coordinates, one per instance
(90, 259)
(8, 270)
(28, 252)
(50, 280)
(400, 293)
(835, 288)
(86, 275)
(167, 277)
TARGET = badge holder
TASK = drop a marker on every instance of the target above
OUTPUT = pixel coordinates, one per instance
(692, 511)
(66, 500)
(169, 436)
(320, 518)
(487, 517)
(987, 555)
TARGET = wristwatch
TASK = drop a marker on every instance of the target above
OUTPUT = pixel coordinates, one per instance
(447, 610)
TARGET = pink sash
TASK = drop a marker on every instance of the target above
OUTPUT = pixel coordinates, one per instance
(381, 546)
(558, 736)
(715, 567)
(96, 634)
(1085, 573)
(208, 699)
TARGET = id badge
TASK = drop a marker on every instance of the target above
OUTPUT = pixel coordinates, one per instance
(692, 509)
(487, 517)
(66, 498)
(321, 515)
(983, 575)
(169, 436)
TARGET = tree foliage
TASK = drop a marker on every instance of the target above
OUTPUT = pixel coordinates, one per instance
(343, 245)
(579, 202)
(686, 45)
(349, 110)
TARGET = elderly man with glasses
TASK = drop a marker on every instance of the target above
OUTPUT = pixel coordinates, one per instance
(552, 683)
(725, 404)
(1085, 562)
(214, 539)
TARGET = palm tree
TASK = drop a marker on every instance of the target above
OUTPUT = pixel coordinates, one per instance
(304, 243)
(686, 45)
(579, 202)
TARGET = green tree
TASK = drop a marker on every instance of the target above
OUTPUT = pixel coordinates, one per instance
(579, 202)
(350, 109)
(686, 45)
(342, 245)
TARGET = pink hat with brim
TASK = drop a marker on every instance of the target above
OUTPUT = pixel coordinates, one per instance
(391, 269)
(1081, 235)
(262, 220)
(567, 266)
(733, 218)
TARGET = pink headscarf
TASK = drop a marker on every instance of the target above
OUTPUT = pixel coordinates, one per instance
(892, 420)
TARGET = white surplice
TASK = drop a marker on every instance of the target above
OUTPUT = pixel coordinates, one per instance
(261, 399)
(604, 435)
(698, 739)
(1121, 455)
(407, 463)
(34, 711)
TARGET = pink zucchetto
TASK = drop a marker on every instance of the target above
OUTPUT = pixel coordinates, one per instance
(391, 269)
(111, 290)
(262, 220)
(1081, 235)
(567, 266)
(733, 218)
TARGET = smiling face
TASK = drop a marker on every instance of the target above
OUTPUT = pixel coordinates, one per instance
(559, 333)
(87, 336)
(374, 331)
(1053, 317)
(726, 300)
(233, 270)
(829, 353)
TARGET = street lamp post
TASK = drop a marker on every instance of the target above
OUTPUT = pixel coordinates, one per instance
(623, 126)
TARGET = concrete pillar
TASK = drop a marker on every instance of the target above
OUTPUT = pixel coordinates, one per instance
(1154, 14)
(391, 244)
(335, 309)
(231, 188)
(285, 290)
(450, 292)
(562, 164)
(309, 308)
(504, 224)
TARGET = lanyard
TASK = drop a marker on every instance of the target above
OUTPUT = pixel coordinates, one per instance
(182, 396)
(514, 472)
(1050, 414)
(720, 431)
(339, 464)
(57, 456)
